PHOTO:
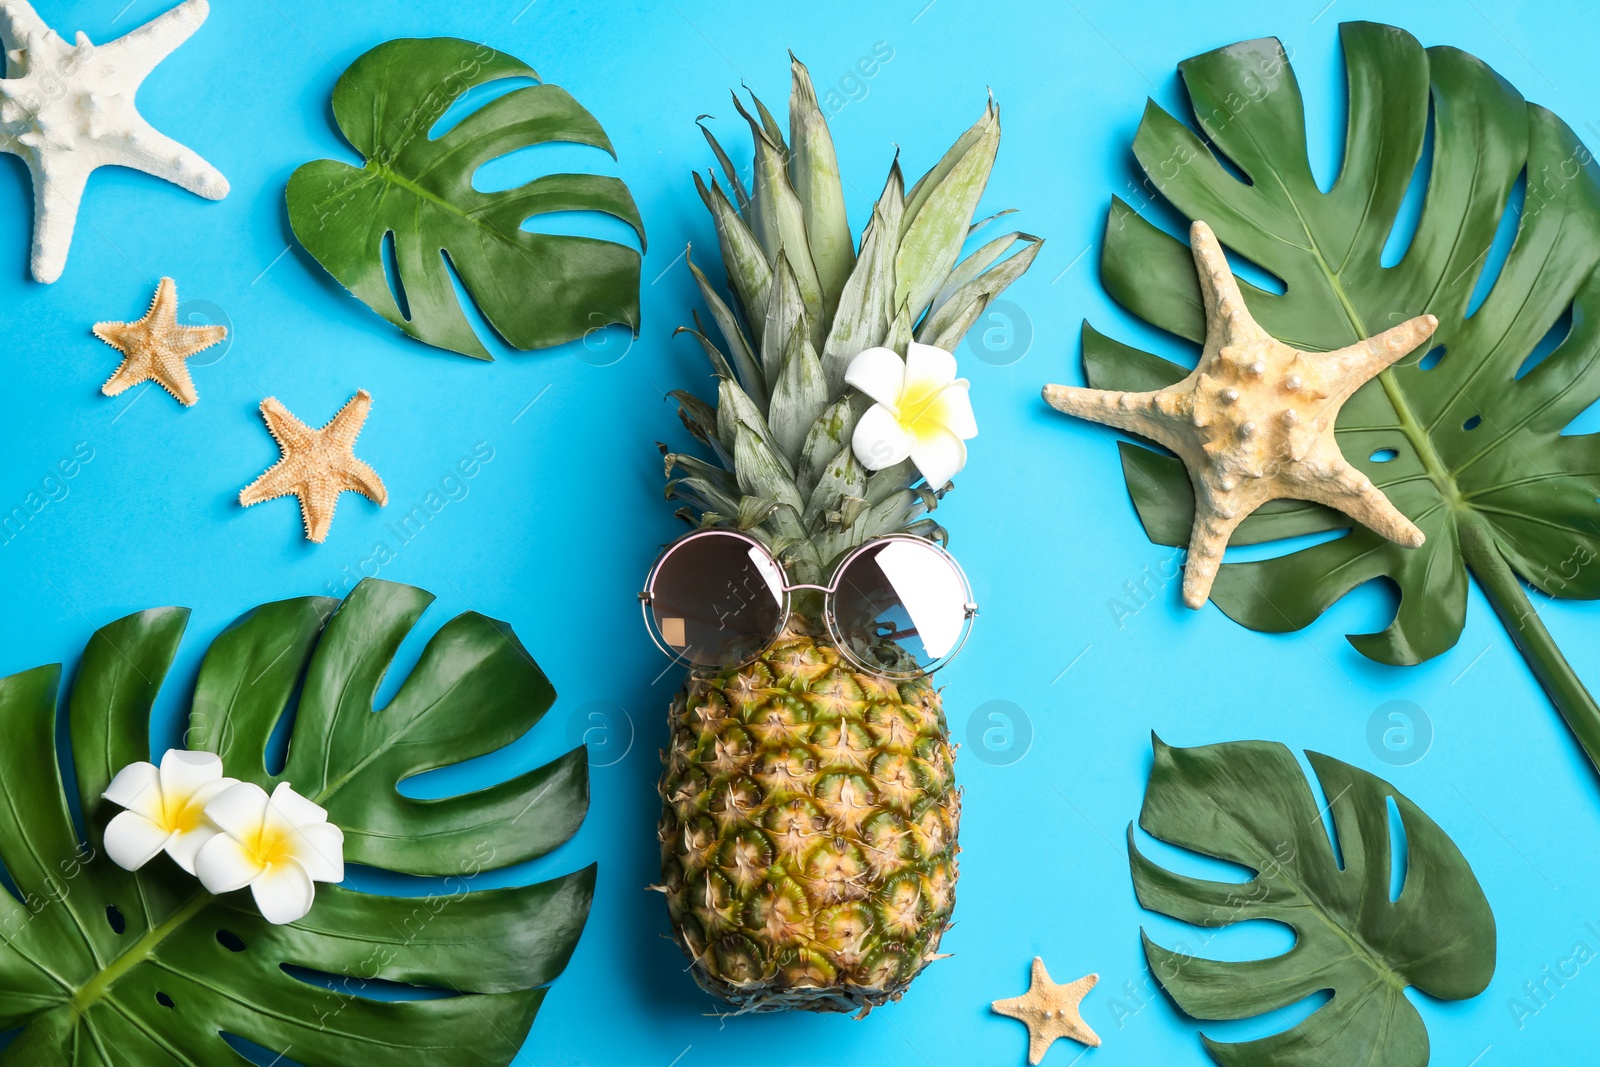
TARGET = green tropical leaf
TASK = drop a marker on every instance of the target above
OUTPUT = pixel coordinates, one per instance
(1249, 803)
(535, 289)
(1474, 446)
(101, 966)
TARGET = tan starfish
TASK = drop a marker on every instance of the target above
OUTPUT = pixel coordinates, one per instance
(155, 346)
(1254, 421)
(1051, 1011)
(317, 465)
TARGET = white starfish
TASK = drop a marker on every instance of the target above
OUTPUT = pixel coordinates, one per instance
(67, 109)
(1254, 421)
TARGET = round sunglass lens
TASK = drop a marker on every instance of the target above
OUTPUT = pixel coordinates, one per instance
(717, 600)
(901, 606)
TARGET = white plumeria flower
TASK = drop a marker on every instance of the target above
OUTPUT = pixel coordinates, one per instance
(922, 411)
(165, 808)
(275, 845)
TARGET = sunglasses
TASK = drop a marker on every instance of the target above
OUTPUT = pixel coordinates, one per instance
(897, 606)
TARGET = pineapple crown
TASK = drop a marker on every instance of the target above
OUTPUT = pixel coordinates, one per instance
(805, 302)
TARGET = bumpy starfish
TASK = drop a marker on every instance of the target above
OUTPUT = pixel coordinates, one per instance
(317, 465)
(67, 109)
(156, 346)
(1254, 421)
(1051, 1011)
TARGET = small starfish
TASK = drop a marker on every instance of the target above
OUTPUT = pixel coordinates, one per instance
(67, 109)
(1051, 1011)
(155, 347)
(317, 465)
(1254, 420)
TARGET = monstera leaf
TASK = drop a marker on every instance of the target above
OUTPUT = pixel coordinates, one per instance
(1465, 439)
(535, 289)
(100, 966)
(1249, 803)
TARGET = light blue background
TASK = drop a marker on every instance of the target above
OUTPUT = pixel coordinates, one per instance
(554, 534)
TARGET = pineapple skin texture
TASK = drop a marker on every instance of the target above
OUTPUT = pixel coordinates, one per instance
(808, 830)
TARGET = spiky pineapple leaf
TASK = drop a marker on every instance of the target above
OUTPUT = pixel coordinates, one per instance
(102, 967)
(1470, 448)
(743, 367)
(970, 288)
(804, 303)
(746, 265)
(865, 307)
(536, 289)
(777, 217)
(1249, 803)
(939, 209)
(814, 173)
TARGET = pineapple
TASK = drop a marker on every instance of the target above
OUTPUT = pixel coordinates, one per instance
(809, 811)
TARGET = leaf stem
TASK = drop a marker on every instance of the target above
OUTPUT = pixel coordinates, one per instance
(1510, 601)
(138, 952)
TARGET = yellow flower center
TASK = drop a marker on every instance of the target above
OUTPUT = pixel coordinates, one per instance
(180, 815)
(919, 411)
(268, 845)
